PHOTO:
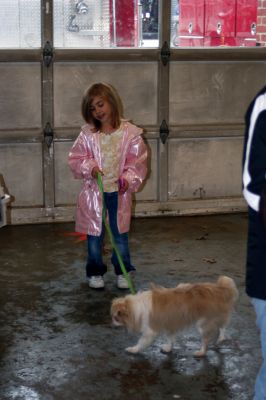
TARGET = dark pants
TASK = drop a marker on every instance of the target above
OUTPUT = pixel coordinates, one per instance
(256, 256)
(95, 265)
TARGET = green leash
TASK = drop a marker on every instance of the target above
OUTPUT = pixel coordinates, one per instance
(114, 246)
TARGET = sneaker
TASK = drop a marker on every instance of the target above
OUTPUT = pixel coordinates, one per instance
(96, 282)
(122, 282)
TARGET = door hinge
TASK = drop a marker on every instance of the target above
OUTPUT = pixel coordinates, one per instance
(48, 134)
(47, 54)
(165, 53)
(164, 131)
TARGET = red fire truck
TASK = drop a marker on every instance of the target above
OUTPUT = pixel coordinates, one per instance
(217, 23)
(131, 21)
(194, 22)
(124, 26)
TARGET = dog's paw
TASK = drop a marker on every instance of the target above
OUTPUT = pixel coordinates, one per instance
(200, 353)
(132, 350)
(166, 348)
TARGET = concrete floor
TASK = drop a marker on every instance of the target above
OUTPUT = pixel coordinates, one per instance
(56, 337)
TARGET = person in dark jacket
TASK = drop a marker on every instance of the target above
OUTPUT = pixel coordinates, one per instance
(254, 191)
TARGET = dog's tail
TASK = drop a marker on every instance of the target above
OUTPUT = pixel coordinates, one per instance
(229, 283)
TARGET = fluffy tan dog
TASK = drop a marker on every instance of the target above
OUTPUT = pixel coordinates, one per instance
(167, 311)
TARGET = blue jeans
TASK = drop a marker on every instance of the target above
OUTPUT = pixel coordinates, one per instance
(260, 385)
(95, 265)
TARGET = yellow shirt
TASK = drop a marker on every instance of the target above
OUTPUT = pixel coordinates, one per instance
(110, 149)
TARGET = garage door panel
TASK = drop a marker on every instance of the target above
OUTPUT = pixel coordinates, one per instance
(20, 88)
(21, 171)
(136, 83)
(205, 168)
(208, 93)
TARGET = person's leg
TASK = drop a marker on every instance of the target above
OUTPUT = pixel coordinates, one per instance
(121, 239)
(95, 265)
(260, 385)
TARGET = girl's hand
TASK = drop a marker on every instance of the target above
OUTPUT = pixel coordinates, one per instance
(95, 171)
(122, 185)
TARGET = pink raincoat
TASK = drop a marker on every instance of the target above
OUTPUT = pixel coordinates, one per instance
(85, 155)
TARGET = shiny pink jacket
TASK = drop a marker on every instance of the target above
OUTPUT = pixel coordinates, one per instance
(85, 155)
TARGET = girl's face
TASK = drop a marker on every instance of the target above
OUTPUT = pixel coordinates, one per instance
(101, 110)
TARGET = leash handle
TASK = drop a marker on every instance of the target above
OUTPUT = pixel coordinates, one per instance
(111, 237)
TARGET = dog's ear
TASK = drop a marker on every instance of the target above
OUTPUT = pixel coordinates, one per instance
(117, 301)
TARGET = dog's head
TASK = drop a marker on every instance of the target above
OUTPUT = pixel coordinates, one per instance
(119, 312)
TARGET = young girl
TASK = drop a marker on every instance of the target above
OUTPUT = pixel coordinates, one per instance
(112, 147)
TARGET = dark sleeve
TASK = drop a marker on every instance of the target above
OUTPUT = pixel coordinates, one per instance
(257, 159)
(262, 205)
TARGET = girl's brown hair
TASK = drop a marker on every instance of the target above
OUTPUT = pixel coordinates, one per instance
(108, 93)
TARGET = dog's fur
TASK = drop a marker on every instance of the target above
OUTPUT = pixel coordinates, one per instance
(167, 311)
